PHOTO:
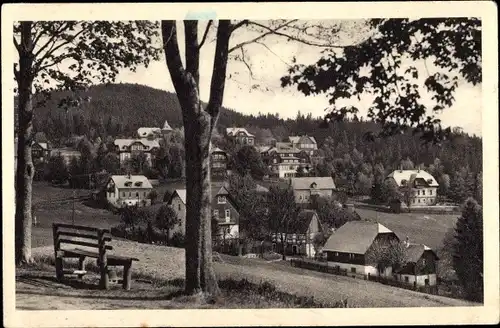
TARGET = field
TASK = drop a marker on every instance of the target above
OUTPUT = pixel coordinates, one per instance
(428, 229)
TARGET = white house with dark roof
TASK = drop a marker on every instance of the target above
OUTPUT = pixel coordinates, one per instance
(424, 186)
(305, 143)
(421, 267)
(178, 203)
(348, 247)
(126, 148)
(304, 188)
(128, 190)
(284, 159)
(241, 136)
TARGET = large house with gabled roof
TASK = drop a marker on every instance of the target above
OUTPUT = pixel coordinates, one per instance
(240, 136)
(128, 190)
(304, 142)
(349, 246)
(284, 159)
(423, 186)
(306, 187)
(127, 148)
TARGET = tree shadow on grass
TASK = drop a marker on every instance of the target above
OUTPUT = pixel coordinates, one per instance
(163, 291)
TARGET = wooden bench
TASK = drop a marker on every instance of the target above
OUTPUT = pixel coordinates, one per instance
(91, 238)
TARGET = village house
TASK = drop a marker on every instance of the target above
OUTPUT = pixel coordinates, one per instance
(423, 186)
(284, 159)
(349, 246)
(240, 136)
(40, 151)
(421, 267)
(218, 163)
(127, 148)
(154, 133)
(225, 211)
(305, 187)
(178, 203)
(300, 239)
(66, 153)
(128, 190)
(306, 143)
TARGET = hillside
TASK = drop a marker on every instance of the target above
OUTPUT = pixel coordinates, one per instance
(129, 105)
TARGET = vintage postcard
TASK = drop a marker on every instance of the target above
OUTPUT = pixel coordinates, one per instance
(250, 164)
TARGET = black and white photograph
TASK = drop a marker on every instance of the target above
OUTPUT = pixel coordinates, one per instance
(261, 164)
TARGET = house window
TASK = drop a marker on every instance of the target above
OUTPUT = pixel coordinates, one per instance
(353, 270)
(123, 194)
(423, 262)
(427, 282)
(336, 254)
(407, 279)
(179, 206)
(419, 200)
(130, 194)
(430, 192)
(418, 192)
(137, 194)
(228, 215)
(216, 213)
(423, 192)
(221, 200)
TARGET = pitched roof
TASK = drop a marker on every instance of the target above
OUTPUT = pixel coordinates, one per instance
(355, 237)
(304, 220)
(286, 147)
(132, 181)
(307, 183)
(222, 191)
(166, 126)
(400, 175)
(415, 251)
(43, 145)
(145, 131)
(302, 139)
(181, 193)
(127, 142)
(234, 131)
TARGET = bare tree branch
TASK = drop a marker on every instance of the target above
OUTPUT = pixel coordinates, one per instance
(192, 50)
(53, 38)
(238, 25)
(172, 55)
(207, 29)
(243, 59)
(270, 31)
(269, 49)
(220, 67)
(293, 38)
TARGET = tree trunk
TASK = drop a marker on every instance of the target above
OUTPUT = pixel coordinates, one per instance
(199, 270)
(25, 169)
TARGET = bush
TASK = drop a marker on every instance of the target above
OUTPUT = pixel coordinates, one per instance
(177, 240)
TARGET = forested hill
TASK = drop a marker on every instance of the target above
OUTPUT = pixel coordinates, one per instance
(121, 107)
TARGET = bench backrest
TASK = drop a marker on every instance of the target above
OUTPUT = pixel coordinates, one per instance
(83, 236)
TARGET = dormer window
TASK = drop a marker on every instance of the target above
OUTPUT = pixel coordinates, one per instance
(138, 183)
(221, 200)
(404, 182)
(313, 185)
(128, 183)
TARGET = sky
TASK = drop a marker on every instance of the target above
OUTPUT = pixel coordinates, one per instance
(269, 65)
(270, 62)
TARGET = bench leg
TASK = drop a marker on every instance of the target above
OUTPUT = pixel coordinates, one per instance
(127, 275)
(59, 268)
(104, 282)
(81, 265)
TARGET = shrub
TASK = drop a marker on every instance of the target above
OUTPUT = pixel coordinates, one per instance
(177, 240)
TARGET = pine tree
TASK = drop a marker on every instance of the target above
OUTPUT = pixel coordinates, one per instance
(468, 250)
